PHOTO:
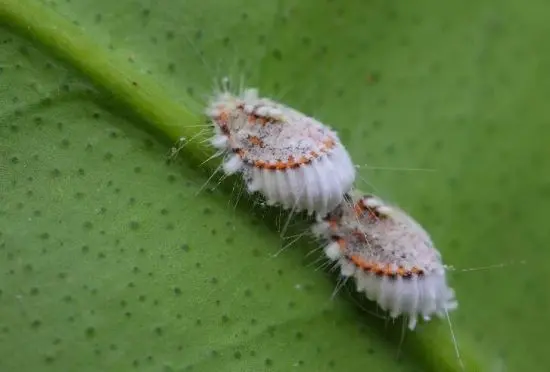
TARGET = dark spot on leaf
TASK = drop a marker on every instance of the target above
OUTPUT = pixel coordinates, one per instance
(90, 332)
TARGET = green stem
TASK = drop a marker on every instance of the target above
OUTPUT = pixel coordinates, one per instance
(111, 74)
(433, 345)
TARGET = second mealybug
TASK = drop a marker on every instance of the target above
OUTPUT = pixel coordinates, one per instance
(392, 258)
(290, 158)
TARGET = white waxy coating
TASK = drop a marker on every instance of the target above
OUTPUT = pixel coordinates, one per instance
(290, 158)
(391, 257)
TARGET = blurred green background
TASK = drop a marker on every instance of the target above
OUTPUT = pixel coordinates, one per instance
(110, 261)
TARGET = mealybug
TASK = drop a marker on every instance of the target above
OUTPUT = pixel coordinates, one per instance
(391, 257)
(290, 158)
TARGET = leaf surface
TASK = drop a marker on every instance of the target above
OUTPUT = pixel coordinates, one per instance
(112, 259)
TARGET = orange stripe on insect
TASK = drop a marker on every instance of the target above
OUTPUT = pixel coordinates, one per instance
(385, 270)
(281, 165)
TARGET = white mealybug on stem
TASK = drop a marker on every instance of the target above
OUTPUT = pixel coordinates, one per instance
(391, 257)
(290, 158)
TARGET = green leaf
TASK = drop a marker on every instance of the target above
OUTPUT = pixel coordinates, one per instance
(113, 259)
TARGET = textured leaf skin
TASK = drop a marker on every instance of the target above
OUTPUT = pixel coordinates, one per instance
(110, 261)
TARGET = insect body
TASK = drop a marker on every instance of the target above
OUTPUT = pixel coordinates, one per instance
(391, 257)
(290, 158)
